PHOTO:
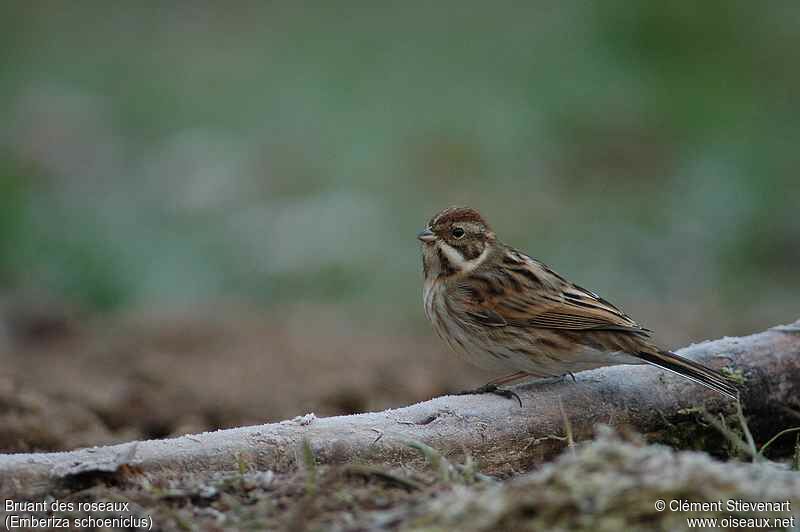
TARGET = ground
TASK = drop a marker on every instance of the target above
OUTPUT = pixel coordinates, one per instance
(605, 484)
(69, 383)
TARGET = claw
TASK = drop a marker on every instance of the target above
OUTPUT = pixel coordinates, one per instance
(494, 390)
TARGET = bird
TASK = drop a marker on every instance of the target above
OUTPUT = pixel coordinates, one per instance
(505, 311)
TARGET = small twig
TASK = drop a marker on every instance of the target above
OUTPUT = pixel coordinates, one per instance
(778, 435)
(537, 441)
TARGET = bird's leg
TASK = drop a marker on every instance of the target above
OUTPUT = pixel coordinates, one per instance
(493, 387)
(494, 390)
(571, 375)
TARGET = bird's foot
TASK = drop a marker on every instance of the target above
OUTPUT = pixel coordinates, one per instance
(494, 390)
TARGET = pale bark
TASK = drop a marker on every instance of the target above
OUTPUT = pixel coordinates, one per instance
(500, 435)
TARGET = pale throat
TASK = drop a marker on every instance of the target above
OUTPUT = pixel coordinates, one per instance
(457, 260)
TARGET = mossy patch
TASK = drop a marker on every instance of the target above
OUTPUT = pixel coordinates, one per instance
(610, 485)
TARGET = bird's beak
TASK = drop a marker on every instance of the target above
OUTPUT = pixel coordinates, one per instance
(427, 235)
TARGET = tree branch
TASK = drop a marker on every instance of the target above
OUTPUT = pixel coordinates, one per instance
(499, 434)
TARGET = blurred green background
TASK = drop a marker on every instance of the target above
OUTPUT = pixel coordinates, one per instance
(177, 154)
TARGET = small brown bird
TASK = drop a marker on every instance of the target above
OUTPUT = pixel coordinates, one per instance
(505, 311)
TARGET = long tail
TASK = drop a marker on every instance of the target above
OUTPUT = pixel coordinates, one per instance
(691, 370)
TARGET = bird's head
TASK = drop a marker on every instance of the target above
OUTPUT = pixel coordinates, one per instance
(456, 240)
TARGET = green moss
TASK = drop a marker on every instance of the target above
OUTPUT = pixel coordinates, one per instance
(734, 374)
(689, 430)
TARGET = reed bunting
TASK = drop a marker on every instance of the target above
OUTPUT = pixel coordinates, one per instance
(505, 311)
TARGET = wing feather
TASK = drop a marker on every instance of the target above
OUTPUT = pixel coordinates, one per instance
(538, 298)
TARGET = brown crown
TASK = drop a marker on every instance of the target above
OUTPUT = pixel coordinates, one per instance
(457, 214)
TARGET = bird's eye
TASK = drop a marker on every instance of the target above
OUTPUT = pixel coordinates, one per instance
(457, 232)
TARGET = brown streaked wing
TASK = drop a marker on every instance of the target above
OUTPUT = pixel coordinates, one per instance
(546, 301)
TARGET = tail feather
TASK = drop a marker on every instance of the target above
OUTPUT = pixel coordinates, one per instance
(691, 370)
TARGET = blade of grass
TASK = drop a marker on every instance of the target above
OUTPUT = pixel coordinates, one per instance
(738, 443)
(437, 461)
(751, 444)
(567, 426)
(310, 462)
(774, 438)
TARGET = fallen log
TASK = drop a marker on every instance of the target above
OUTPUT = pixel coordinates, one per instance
(499, 434)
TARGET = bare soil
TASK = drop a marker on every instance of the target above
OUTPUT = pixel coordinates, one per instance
(68, 382)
